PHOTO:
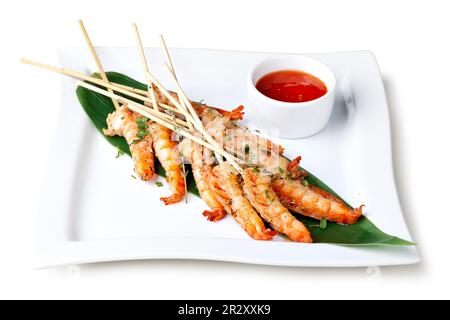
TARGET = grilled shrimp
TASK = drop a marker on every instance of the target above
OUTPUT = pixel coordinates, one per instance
(257, 188)
(225, 183)
(125, 123)
(233, 115)
(241, 142)
(314, 202)
(167, 152)
(201, 163)
(240, 139)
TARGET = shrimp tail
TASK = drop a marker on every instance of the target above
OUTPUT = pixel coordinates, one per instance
(174, 198)
(294, 170)
(358, 211)
(314, 202)
(214, 215)
(235, 114)
(269, 233)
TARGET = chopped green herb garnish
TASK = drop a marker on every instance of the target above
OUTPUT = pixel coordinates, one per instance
(255, 169)
(133, 176)
(280, 170)
(119, 152)
(142, 133)
(159, 184)
(267, 195)
(142, 123)
(135, 141)
(323, 223)
(305, 183)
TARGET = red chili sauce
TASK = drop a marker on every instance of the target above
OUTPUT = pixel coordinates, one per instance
(291, 86)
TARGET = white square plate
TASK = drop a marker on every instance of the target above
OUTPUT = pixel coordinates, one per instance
(92, 210)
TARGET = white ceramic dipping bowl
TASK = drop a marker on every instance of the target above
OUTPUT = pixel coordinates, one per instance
(291, 119)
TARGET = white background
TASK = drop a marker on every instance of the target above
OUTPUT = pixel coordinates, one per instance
(411, 42)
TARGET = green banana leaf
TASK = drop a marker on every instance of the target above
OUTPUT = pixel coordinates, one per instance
(364, 232)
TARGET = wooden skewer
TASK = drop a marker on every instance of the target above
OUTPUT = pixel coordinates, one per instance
(166, 54)
(170, 108)
(182, 95)
(183, 106)
(110, 86)
(199, 124)
(144, 94)
(129, 91)
(183, 98)
(166, 93)
(196, 120)
(150, 113)
(128, 88)
(144, 63)
(171, 68)
(127, 101)
(96, 58)
(147, 71)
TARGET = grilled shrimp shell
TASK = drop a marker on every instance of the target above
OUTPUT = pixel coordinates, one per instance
(257, 188)
(167, 152)
(122, 122)
(314, 202)
(225, 183)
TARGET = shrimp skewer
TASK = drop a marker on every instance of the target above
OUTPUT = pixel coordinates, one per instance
(314, 202)
(225, 183)
(308, 200)
(239, 141)
(167, 152)
(257, 188)
(125, 123)
(201, 161)
(234, 115)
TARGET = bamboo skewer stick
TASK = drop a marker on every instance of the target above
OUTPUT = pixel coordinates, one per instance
(127, 90)
(146, 70)
(182, 105)
(182, 97)
(170, 65)
(152, 115)
(144, 63)
(171, 69)
(199, 126)
(109, 85)
(167, 55)
(167, 94)
(96, 58)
